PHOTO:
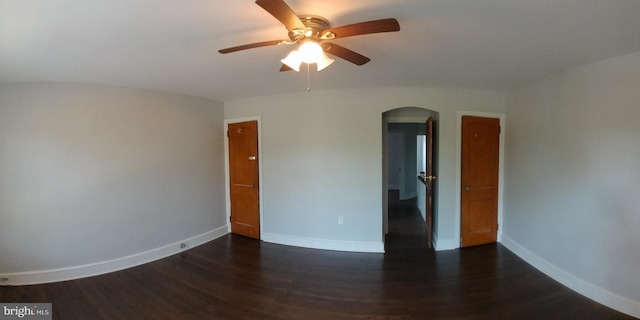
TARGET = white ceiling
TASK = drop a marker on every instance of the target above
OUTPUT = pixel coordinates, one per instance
(172, 45)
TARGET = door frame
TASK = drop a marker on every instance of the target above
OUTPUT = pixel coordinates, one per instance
(458, 180)
(227, 179)
(386, 120)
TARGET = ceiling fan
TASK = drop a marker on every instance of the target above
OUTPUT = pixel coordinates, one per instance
(311, 33)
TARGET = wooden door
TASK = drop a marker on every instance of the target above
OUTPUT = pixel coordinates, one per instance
(243, 178)
(479, 194)
(429, 181)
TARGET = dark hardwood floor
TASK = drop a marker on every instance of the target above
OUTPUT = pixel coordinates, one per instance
(239, 278)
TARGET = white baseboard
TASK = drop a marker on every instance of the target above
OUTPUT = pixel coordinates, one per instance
(444, 244)
(98, 268)
(576, 284)
(313, 243)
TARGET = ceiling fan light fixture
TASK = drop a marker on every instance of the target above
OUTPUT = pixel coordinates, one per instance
(310, 52)
(324, 62)
(293, 60)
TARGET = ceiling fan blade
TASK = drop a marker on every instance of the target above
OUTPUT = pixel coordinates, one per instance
(345, 53)
(374, 26)
(281, 11)
(285, 68)
(253, 45)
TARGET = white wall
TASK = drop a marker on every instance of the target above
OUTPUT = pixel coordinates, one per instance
(394, 155)
(404, 156)
(94, 173)
(421, 153)
(421, 166)
(573, 179)
(322, 157)
(422, 199)
(410, 155)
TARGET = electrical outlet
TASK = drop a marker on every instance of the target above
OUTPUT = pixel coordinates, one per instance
(340, 220)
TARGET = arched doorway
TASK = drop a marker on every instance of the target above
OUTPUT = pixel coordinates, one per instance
(404, 157)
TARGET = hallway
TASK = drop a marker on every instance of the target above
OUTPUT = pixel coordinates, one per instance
(407, 229)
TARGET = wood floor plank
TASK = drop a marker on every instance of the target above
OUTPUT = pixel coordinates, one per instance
(240, 278)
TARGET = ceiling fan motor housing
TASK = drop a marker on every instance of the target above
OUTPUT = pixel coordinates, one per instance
(314, 26)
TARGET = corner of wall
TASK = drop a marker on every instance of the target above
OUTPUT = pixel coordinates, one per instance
(579, 285)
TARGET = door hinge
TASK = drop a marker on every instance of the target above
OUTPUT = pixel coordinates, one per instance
(227, 133)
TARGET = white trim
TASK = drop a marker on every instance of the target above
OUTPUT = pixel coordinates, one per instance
(576, 284)
(98, 268)
(314, 243)
(445, 244)
(226, 167)
(410, 119)
(386, 120)
(500, 116)
(385, 179)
